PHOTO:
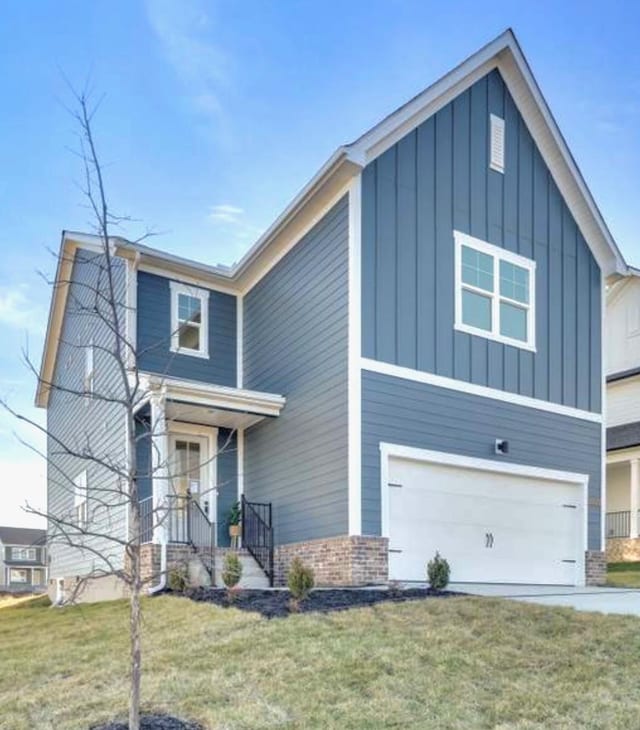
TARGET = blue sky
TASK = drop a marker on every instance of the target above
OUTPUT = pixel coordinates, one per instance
(216, 113)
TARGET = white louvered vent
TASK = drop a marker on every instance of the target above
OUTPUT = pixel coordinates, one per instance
(497, 144)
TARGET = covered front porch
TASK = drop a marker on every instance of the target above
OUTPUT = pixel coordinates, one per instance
(190, 456)
(622, 519)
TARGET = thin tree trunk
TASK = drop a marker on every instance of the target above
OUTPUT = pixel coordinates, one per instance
(136, 668)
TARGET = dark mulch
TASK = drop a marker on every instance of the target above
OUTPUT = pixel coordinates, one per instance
(277, 604)
(153, 722)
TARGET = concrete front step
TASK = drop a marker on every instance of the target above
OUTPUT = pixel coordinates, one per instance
(252, 574)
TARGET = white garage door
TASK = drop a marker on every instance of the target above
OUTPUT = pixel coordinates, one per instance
(492, 527)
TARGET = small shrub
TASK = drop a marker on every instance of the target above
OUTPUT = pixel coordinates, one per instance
(438, 572)
(300, 581)
(231, 571)
(178, 579)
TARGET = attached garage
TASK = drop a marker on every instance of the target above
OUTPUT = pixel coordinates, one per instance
(495, 522)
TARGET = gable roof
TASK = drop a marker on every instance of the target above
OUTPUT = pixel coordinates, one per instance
(333, 178)
(22, 536)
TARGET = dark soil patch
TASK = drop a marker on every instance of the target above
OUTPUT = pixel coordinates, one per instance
(276, 604)
(152, 722)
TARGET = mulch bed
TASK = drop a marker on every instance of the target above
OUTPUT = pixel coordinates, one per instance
(152, 722)
(277, 604)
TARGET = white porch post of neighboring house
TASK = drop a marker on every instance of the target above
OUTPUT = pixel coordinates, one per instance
(634, 496)
(159, 462)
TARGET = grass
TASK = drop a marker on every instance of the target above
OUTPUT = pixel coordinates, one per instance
(623, 575)
(455, 663)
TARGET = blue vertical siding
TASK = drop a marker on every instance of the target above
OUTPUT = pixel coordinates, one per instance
(154, 335)
(437, 179)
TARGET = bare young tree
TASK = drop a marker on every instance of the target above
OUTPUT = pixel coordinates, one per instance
(88, 522)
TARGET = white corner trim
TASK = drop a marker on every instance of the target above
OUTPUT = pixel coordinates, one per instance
(240, 341)
(389, 450)
(498, 254)
(131, 320)
(178, 288)
(240, 466)
(603, 406)
(418, 376)
(354, 359)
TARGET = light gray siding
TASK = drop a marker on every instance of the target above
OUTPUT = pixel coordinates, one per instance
(84, 424)
(295, 344)
(437, 179)
(424, 416)
(154, 335)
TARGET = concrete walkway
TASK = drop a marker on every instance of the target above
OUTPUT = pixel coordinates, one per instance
(604, 600)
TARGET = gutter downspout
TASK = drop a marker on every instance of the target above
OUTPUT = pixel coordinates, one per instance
(162, 584)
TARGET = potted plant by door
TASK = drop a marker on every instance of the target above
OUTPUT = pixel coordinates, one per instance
(233, 520)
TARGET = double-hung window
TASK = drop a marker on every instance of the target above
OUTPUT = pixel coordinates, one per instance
(189, 320)
(494, 292)
(20, 553)
(81, 514)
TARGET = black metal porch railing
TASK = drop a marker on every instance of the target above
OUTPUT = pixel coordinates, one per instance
(257, 534)
(146, 520)
(618, 524)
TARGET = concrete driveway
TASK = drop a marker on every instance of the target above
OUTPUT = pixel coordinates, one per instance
(605, 600)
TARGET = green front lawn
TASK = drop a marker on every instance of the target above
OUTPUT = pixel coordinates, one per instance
(623, 575)
(455, 663)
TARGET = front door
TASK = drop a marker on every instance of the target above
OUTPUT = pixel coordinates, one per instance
(190, 459)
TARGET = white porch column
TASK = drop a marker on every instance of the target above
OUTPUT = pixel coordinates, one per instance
(634, 496)
(159, 461)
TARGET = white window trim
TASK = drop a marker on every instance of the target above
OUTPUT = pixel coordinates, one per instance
(498, 254)
(178, 288)
(81, 499)
(18, 553)
(19, 570)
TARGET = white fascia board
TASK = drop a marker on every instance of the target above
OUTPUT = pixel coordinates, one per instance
(216, 396)
(504, 53)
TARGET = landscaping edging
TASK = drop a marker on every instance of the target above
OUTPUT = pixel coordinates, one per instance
(276, 604)
(152, 722)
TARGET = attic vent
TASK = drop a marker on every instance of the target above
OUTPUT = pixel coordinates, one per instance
(497, 143)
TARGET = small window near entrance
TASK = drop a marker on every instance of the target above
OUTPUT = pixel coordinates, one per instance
(189, 320)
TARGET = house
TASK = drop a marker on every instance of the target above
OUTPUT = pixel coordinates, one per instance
(23, 559)
(623, 418)
(408, 360)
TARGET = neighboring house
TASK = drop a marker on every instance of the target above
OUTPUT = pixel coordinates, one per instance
(622, 356)
(408, 360)
(23, 559)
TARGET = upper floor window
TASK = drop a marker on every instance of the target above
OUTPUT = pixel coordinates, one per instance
(189, 320)
(80, 496)
(494, 292)
(22, 553)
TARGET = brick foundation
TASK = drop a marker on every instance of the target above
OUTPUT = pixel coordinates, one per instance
(623, 549)
(595, 568)
(178, 556)
(337, 561)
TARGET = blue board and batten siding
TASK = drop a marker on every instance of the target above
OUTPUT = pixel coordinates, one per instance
(434, 181)
(154, 335)
(437, 179)
(295, 343)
